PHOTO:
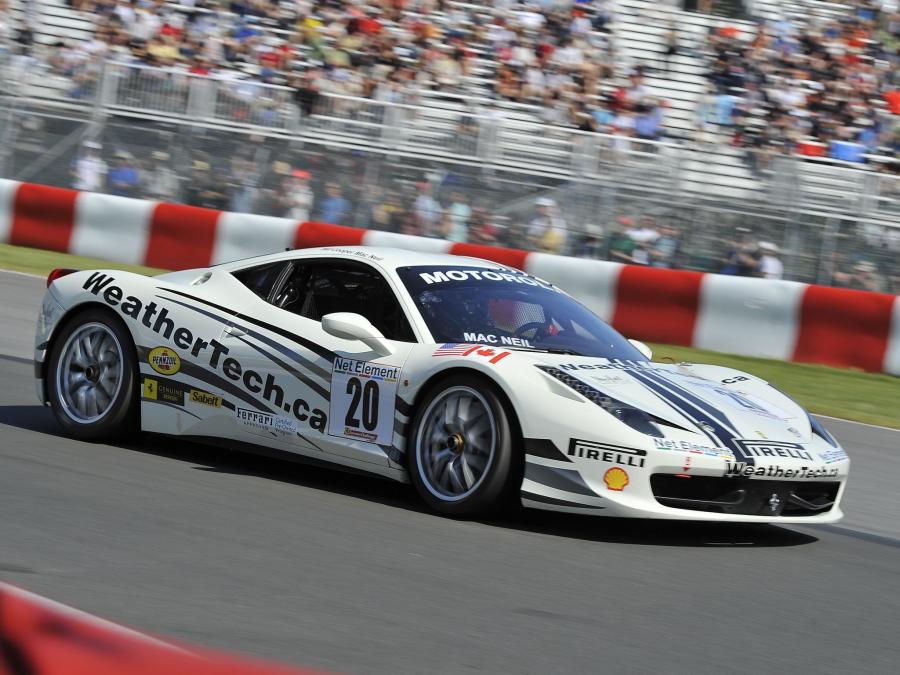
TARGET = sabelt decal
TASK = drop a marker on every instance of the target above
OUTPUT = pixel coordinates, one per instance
(205, 398)
(156, 318)
(164, 360)
(611, 454)
(741, 469)
(163, 391)
(616, 479)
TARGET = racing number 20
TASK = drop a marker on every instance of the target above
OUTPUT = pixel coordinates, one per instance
(367, 395)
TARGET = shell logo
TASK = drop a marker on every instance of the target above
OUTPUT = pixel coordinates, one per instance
(164, 361)
(616, 479)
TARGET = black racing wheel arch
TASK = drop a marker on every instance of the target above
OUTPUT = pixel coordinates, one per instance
(504, 491)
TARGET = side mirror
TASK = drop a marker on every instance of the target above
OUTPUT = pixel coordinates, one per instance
(642, 348)
(350, 326)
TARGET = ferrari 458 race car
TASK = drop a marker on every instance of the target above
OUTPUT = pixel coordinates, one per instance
(479, 384)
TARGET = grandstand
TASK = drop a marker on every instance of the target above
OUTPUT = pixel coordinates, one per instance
(420, 128)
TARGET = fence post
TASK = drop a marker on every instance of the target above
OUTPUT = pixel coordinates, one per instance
(203, 93)
(868, 194)
(106, 91)
(584, 150)
(391, 131)
(488, 143)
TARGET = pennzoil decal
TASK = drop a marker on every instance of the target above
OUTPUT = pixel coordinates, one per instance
(164, 360)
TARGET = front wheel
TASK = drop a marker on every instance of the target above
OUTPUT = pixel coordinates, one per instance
(462, 454)
(91, 376)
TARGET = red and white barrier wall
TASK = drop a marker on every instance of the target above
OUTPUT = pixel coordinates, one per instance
(755, 317)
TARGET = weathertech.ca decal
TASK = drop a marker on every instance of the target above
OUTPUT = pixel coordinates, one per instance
(164, 360)
(152, 315)
(745, 470)
(489, 354)
(616, 479)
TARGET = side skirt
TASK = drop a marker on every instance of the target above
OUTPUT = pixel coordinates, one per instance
(389, 473)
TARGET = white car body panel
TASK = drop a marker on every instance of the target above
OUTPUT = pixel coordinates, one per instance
(252, 373)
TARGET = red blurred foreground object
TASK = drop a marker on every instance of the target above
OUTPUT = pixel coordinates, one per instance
(41, 637)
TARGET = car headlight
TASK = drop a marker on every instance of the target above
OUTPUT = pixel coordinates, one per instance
(635, 418)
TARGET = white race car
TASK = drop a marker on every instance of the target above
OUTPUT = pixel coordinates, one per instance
(479, 384)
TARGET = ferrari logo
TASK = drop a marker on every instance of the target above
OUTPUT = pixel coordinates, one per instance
(774, 502)
(150, 389)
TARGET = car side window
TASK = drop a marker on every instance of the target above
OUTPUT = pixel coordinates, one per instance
(319, 288)
(261, 279)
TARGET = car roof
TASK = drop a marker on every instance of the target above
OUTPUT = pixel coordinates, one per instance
(385, 257)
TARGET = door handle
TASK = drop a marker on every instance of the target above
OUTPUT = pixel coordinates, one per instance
(231, 331)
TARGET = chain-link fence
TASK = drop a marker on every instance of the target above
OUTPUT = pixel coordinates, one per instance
(456, 171)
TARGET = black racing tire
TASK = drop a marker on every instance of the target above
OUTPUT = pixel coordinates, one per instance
(93, 359)
(498, 478)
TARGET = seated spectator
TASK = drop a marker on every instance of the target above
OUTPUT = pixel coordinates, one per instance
(334, 208)
(481, 228)
(620, 246)
(770, 266)
(547, 231)
(742, 260)
(666, 247)
(864, 277)
(123, 179)
(89, 171)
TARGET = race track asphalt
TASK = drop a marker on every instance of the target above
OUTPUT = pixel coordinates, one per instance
(320, 568)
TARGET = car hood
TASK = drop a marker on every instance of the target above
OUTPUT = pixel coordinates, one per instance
(720, 403)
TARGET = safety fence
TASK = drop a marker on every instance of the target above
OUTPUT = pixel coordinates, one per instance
(755, 317)
(470, 128)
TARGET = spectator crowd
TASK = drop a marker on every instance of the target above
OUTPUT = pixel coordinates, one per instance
(824, 87)
(818, 87)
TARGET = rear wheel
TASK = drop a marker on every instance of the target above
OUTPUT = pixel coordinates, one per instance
(462, 454)
(91, 376)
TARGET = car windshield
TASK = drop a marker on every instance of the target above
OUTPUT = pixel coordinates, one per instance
(511, 309)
